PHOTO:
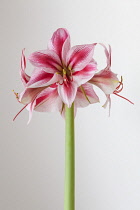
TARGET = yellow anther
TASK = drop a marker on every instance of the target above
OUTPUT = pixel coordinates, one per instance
(69, 68)
(16, 94)
(64, 72)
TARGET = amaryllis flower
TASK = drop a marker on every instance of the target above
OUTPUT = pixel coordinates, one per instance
(62, 65)
(47, 99)
(63, 75)
(108, 81)
(59, 76)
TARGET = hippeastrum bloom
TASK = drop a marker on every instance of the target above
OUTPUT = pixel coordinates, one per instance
(47, 99)
(59, 64)
(59, 76)
(63, 75)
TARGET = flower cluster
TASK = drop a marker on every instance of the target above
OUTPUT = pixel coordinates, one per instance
(63, 74)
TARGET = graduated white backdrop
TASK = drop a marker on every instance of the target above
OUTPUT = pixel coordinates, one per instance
(107, 149)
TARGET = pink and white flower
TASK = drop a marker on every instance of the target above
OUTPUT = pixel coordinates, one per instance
(63, 74)
(59, 75)
(59, 64)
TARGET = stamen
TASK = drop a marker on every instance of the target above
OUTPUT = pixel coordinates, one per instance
(20, 112)
(64, 72)
(83, 91)
(120, 86)
(16, 94)
(119, 89)
(123, 97)
(17, 97)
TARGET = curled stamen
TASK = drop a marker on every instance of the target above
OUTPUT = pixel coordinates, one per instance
(120, 83)
(119, 88)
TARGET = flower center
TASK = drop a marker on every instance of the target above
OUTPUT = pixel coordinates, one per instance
(66, 74)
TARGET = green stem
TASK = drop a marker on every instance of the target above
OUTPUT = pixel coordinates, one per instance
(69, 200)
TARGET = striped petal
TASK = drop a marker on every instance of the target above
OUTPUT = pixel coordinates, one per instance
(40, 78)
(29, 94)
(67, 92)
(46, 58)
(79, 56)
(57, 41)
(85, 96)
(48, 101)
(65, 50)
(106, 80)
(81, 77)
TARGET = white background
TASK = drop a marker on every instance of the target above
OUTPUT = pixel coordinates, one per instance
(107, 149)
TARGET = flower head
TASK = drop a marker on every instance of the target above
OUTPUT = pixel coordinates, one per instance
(60, 73)
(63, 74)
